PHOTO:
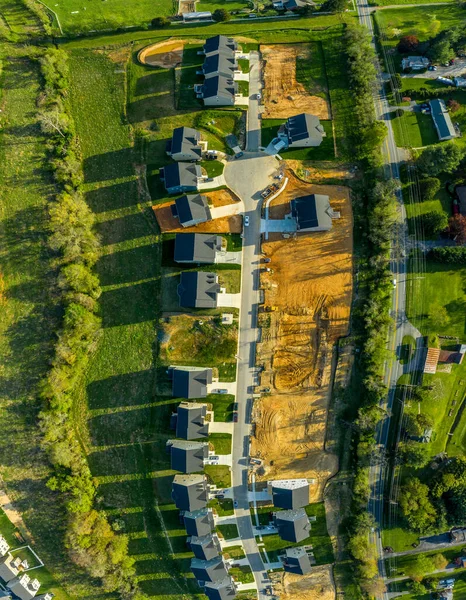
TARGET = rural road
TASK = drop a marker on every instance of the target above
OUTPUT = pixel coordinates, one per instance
(247, 177)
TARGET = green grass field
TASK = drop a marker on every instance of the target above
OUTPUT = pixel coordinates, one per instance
(122, 423)
(221, 442)
(27, 322)
(323, 152)
(228, 532)
(414, 130)
(219, 475)
(94, 15)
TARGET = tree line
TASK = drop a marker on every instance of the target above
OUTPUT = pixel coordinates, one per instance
(92, 542)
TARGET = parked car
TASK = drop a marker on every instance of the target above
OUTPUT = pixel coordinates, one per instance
(431, 68)
(221, 391)
(259, 96)
(235, 417)
(394, 283)
(235, 406)
(219, 496)
(246, 221)
(239, 155)
(213, 457)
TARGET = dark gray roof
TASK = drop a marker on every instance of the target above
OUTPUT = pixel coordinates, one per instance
(197, 247)
(187, 457)
(442, 119)
(205, 547)
(220, 590)
(209, 570)
(303, 126)
(311, 211)
(190, 492)
(220, 42)
(221, 63)
(190, 382)
(293, 525)
(185, 140)
(181, 174)
(198, 289)
(198, 522)
(290, 494)
(297, 561)
(221, 86)
(193, 207)
(190, 421)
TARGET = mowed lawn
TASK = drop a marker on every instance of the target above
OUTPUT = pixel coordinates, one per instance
(414, 130)
(77, 16)
(123, 424)
(27, 321)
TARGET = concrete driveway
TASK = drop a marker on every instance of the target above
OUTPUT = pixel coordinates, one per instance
(229, 300)
(218, 212)
(278, 225)
(228, 258)
(230, 386)
(220, 427)
(215, 183)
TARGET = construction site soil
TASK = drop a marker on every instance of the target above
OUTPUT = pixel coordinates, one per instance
(307, 299)
(316, 584)
(227, 224)
(284, 96)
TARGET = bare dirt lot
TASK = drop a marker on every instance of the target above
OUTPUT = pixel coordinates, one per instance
(316, 584)
(283, 95)
(230, 224)
(307, 297)
(164, 54)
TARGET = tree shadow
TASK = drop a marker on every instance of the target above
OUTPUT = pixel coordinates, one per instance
(121, 390)
(122, 229)
(125, 460)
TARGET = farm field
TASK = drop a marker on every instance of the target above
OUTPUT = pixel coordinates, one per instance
(26, 326)
(122, 422)
(309, 311)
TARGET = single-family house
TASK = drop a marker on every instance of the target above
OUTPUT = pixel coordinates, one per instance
(191, 209)
(190, 492)
(292, 525)
(24, 587)
(289, 493)
(197, 247)
(220, 63)
(186, 456)
(220, 43)
(189, 420)
(292, 4)
(185, 145)
(10, 567)
(190, 382)
(4, 546)
(302, 131)
(197, 16)
(204, 547)
(217, 90)
(198, 522)
(181, 177)
(220, 590)
(313, 213)
(297, 561)
(198, 289)
(209, 570)
(415, 63)
(442, 120)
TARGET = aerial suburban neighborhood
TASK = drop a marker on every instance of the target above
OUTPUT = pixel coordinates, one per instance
(233, 300)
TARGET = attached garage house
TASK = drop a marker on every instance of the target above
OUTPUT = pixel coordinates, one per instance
(313, 213)
(442, 120)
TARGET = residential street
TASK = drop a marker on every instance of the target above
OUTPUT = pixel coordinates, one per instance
(254, 124)
(247, 176)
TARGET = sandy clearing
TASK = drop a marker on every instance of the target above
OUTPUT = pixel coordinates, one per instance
(307, 298)
(283, 95)
(163, 54)
(318, 583)
(232, 224)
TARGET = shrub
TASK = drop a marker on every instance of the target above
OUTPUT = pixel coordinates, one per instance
(428, 187)
(160, 22)
(407, 44)
(399, 112)
(448, 254)
(221, 15)
(434, 222)
(453, 105)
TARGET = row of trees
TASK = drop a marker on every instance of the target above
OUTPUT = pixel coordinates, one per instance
(93, 543)
(371, 316)
(450, 255)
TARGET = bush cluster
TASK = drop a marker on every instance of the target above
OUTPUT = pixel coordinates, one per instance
(91, 540)
(449, 254)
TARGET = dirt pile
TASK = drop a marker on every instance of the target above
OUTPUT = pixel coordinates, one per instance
(316, 584)
(164, 54)
(284, 96)
(307, 297)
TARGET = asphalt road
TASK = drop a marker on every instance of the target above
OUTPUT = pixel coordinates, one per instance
(247, 177)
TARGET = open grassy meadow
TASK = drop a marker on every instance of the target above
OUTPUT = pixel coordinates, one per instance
(28, 317)
(122, 422)
(76, 16)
